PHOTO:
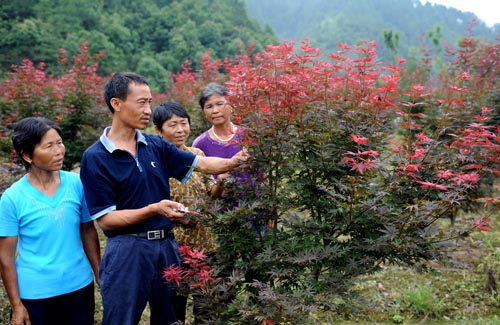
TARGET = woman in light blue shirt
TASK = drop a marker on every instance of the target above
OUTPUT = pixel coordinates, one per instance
(44, 217)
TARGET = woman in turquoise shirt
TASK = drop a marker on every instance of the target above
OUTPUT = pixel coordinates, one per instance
(45, 218)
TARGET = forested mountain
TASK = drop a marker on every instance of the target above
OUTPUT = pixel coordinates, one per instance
(327, 22)
(148, 36)
(154, 37)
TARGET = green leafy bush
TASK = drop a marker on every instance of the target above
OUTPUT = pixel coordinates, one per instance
(351, 172)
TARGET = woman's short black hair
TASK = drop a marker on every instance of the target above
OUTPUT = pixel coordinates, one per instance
(28, 133)
(166, 111)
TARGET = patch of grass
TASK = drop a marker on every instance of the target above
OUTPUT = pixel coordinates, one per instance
(422, 298)
(454, 291)
(451, 294)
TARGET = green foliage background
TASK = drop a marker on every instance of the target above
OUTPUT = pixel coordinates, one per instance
(154, 37)
(328, 22)
(151, 37)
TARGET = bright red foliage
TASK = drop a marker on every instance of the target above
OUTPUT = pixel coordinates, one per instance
(194, 271)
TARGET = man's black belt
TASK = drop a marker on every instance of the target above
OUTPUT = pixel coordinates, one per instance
(157, 234)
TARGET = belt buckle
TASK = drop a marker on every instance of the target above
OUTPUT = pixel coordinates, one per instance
(155, 234)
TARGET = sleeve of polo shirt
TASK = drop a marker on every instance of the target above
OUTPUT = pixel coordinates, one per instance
(180, 163)
(190, 171)
(99, 194)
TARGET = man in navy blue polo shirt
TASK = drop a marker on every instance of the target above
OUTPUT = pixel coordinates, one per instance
(125, 175)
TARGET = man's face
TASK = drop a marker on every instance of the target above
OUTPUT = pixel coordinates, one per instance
(135, 111)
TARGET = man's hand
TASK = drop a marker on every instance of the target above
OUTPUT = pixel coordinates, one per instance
(216, 165)
(172, 210)
(240, 159)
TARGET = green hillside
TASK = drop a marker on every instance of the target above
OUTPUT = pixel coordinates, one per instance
(328, 22)
(151, 37)
(155, 37)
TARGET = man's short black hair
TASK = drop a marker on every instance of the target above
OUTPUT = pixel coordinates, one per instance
(118, 86)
